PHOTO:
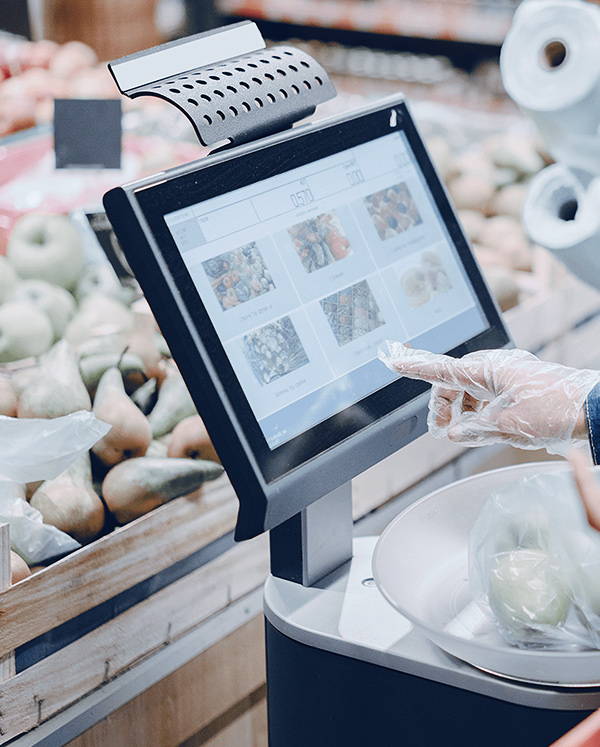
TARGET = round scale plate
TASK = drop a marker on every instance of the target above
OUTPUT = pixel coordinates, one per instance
(420, 565)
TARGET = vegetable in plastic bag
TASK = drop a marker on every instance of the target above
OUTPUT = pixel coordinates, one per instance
(534, 564)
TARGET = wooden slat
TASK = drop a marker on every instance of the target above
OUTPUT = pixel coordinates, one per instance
(114, 563)
(250, 730)
(7, 662)
(55, 682)
(201, 693)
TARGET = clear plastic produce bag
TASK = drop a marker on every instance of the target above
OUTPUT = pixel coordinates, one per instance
(33, 449)
(534, 564)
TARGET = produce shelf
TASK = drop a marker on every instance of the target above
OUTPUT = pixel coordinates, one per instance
(458, 20)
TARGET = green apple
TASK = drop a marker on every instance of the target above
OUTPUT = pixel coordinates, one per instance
(526, 590)
(25, 331)
(8, 278)
(101, 278)
(47, 247)
(530, 532)
(54, 300)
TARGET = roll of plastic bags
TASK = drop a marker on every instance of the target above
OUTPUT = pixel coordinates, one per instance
(550, 67)
(561, 212)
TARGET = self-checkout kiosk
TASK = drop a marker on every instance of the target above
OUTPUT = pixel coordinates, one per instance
(276, 267)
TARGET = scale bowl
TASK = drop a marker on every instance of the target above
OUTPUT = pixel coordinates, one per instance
(420, 565)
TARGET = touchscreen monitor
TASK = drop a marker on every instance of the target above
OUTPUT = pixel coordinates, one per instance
(276, 270)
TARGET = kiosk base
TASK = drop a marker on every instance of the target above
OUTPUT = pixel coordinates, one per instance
(344, 669)
(317, 697)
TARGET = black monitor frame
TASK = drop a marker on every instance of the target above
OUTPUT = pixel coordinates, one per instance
(273, 485)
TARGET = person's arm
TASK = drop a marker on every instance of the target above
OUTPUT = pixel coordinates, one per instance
(502, 396)
(587, 487)
(592, 421)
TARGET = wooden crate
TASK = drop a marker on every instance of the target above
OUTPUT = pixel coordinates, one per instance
(90, 619)
(217, 699)
(81, 622)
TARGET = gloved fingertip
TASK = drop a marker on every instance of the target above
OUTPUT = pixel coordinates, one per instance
(408, 360)
(389, 350)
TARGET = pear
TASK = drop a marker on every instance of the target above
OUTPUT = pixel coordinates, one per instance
(131, 366)
(190, 439)
(158, 447)
(57, 388)
(161, 345)
(146, 395)
(131, 433)
(102, 344)
(141, 342)
(70, 503)
(174, 403)
(98, 314)
(8, 399)
(527, 590)
(18, 568)
(137, 486)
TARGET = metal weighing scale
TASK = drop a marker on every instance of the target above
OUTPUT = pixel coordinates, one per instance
(276, 267)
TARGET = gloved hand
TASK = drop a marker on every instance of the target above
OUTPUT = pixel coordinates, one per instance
(499, 396)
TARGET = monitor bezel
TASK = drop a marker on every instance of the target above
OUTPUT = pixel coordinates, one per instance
(263, 477)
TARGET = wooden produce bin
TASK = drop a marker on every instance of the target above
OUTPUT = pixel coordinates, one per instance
(81, 622)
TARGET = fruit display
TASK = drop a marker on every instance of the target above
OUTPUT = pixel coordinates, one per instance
(486, 165)
(486, 178)
(73, 338)
(33, 74)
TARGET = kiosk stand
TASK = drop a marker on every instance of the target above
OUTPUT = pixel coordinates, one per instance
(343, 667)
(276, 267)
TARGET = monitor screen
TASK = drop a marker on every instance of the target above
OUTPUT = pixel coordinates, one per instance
(277, 269)
(304, 274)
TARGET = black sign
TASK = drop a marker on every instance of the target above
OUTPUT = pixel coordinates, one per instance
(87, 133)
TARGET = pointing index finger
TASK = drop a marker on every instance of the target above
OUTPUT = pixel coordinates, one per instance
(424, 365)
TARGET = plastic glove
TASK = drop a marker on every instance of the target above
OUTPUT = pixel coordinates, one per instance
(499, 396)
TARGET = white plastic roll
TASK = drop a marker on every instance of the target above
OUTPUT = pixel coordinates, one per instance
(550, 66)
(561, 212)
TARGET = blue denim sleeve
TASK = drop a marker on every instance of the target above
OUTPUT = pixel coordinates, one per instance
(592, 421)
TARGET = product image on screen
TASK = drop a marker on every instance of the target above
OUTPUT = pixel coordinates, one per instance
(305, 273)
